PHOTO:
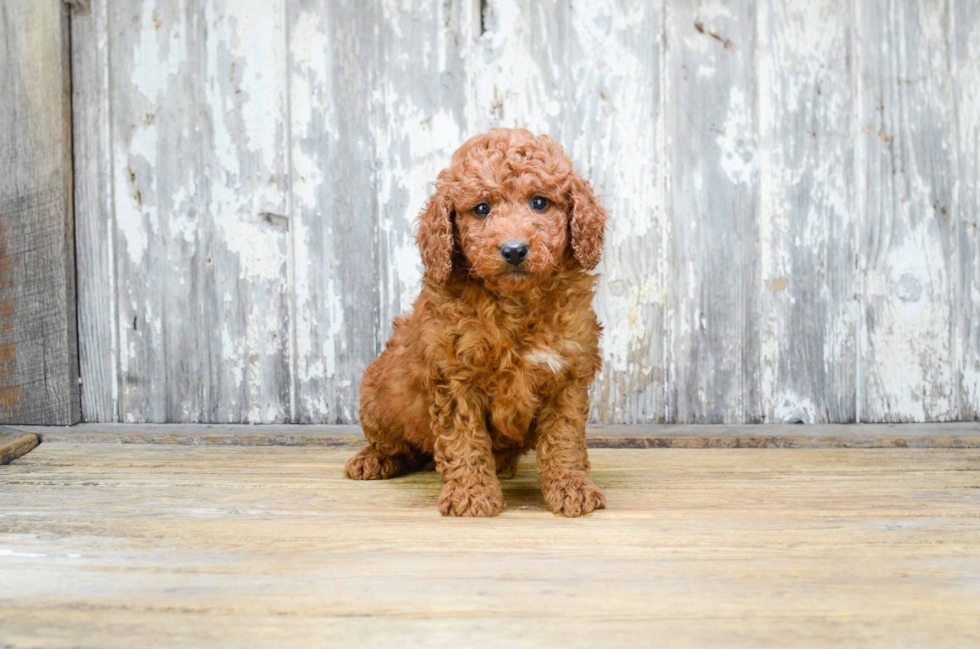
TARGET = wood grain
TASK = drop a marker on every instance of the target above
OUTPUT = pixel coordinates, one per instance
(185, 303)
(613, 58)
(38, 323)
(776, 173)
(95, 232)
(965, 63)
(714, 254)
(160, 217)
(160, 545)
(376, 107)
(906, 152)
(946, 435)
(806, 307)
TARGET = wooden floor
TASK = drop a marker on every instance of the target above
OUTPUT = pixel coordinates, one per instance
(154, 545)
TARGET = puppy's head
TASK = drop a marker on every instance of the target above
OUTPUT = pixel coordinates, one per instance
(508, 210)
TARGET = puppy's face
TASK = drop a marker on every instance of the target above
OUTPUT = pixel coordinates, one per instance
(513, 234)
(511, 207)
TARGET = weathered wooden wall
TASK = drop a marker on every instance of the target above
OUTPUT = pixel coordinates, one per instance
(793, 190)
(38, 342)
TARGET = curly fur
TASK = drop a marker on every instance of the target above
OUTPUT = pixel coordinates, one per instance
(494, 360)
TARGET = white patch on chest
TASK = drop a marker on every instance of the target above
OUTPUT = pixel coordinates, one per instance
(546, 356)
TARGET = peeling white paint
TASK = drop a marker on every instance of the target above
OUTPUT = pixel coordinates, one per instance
(736, 140)
(229, 129)
(129, 220)
(792, 408)
(158, 55)
(910, 336)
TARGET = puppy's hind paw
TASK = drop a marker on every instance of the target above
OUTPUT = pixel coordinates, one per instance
(507, 465)
(572, 494)
(471, 497)
(372, 464)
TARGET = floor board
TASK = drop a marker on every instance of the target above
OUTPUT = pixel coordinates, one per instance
(935, 435)
(151, 545)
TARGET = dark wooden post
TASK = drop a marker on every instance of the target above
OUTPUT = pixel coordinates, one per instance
(38, 326)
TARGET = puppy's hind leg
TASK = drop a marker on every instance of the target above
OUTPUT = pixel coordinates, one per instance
(506, 461)
(374, 463)
(387, 454)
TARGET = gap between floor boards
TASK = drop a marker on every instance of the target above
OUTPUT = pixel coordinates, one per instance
(942, 435)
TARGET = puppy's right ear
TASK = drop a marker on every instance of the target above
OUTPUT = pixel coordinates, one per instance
(435, 237)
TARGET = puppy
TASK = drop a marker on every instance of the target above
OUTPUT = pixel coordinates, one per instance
(502, 345)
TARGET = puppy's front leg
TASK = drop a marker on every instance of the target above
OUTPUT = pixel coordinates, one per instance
(563, 459)
(464, 456)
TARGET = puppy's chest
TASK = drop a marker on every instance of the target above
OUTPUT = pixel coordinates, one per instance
(535, 367)
(529, 362)
(517, 365)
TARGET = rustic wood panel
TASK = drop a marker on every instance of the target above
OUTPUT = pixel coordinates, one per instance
(907, 249)
(160, 208)
(94, 226)
(186, 299)
(334, 209)
(807, 227)
(256, 167)
(246, 280)
(376, 113)
(965, 64)
(38, 337)
(714, 255)
(614, 129)
(152, 545)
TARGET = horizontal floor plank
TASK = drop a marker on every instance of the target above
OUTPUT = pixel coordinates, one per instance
(944, 435)
(157, 545)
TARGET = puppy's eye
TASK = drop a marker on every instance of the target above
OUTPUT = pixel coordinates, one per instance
(539, 204)
(482, 210)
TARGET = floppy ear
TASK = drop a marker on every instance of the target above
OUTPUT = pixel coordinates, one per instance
(435, 237)
(587, 221)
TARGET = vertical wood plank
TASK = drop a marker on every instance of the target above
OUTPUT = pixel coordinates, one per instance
(613, 128)
(714, 335)
(965, 38)
(514, 73)
(252, 170)
(589, 74)
(377, 107)
(94, 224)
(807, 311)
(198, 134)
(906, 247)
(160, 208)
(245, 167)
(419, 123)
(333, 51)
(38, 325)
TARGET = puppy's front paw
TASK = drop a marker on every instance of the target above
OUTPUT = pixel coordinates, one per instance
(572, 494)
(471, 496)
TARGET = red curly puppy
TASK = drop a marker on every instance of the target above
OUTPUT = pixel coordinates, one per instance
(502, 346)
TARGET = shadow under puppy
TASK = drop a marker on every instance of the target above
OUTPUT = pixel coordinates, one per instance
(502, 345)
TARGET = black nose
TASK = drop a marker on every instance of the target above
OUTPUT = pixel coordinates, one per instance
(513, 252)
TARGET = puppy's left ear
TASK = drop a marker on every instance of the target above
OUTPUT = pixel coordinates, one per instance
(587, 221)
(435, 236)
